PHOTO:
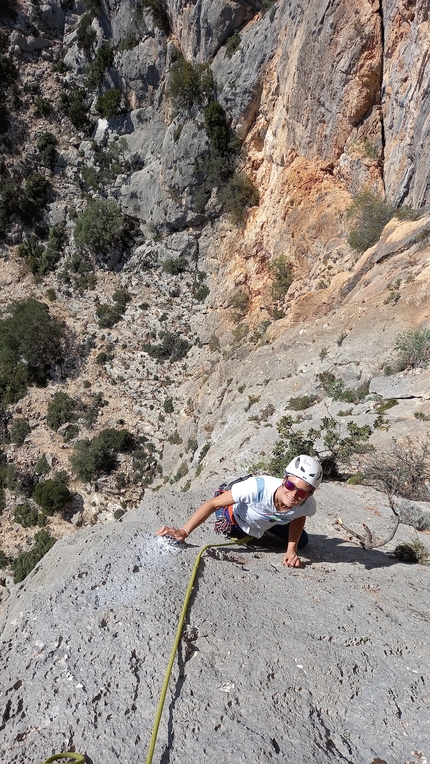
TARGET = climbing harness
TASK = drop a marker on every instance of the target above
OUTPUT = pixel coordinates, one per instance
(75, 758)
(157, 719)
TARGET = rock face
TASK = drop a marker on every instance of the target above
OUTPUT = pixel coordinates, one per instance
(328, 661)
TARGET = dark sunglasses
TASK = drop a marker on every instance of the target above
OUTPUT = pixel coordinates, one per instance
(301, 493)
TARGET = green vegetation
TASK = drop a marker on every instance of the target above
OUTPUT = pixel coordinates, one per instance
(79, 273)
(72, 103)
(109, 315)
(4, 560)
(42, 467)
(233, 44)
(51, 495)
(237, 195)
(93, 457)
(43, 259)
(370, 214)
(102, 61)
(85, 35)
(172, 348)
(108, 163)
(302, 402)
(46, 145)
(282, 274)
(334, 451)
(108, 105)
(30, 344)
(26, 561)
(158, 11)
(19, 431)
(168, 406)
(413, 350)
(102, 230)
(412, 551)
(200, 290)
(175, 265)
(335, 388)
(27, 516)
(61, 409)
(190, 83)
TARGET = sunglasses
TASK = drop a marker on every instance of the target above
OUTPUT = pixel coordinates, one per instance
(300, 492)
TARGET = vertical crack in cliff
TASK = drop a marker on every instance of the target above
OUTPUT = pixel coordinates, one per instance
(380, 12)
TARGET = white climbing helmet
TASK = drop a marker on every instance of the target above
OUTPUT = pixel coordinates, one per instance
(306, 468)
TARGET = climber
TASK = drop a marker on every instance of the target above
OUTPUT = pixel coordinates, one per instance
(264, 503)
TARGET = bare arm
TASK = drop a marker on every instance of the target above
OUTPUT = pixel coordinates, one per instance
(291, 558)
(200, 515)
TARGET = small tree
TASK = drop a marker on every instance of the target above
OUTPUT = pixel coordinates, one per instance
(19, 431)
(101, 228)
(30, 345)
(370, 214)
(51, 495)
(26, 561)
(108, 105)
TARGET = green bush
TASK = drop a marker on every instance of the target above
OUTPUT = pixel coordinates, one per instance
(108, 105)
(335, 450)
(233, 44)
(46, 145)
(370, 214)
(190, 83)
(30, 344)
(33, 198)
(302, 402)
(159, 14)
(41, 260)
(168, 406)
(4, 560)
(51, 495)
(412, 551)
(101, 228)
(173, 347)
(42, 107)
(217, 128)
(109, 315)
(175, 265)
(86, 35)
(94, 457)
(413, 349)
(42, 467)
(237, 195)
(102, 61)
(282, 274)
(19, 431)
(26, 515)
(72, 103)
(26, 561)
(61, 409)
(335, 388)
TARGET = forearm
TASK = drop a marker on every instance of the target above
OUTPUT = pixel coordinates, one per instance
(200, 515)
(197, 518)
(295, 531)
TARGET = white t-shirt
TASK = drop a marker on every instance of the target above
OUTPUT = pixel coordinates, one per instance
(254, 506)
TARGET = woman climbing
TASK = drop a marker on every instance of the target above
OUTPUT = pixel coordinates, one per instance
(264, 503)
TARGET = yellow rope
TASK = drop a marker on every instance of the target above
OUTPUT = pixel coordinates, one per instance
(176, 643)
(76, 758)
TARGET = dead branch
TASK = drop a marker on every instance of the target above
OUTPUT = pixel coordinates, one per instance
(369, 541)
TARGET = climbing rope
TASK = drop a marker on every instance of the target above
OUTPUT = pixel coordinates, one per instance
(178, 639)
(76, 758)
